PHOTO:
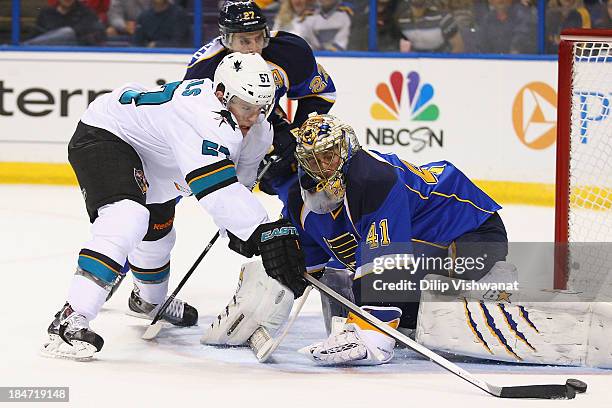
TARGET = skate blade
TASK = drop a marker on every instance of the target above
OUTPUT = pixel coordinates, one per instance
(58, 348)
(139, 315)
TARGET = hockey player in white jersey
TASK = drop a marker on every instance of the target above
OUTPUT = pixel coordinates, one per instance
(134, 152)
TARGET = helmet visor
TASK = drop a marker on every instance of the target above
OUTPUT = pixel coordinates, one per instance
(246, 41)
(243, 110)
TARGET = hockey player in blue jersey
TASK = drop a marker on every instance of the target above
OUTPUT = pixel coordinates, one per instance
(296, 74)
(358, 212)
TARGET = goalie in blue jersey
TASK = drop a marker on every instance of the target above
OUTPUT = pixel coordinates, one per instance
(369, 221)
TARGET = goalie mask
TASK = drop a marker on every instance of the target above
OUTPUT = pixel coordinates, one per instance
(247, 77)
(324, 146)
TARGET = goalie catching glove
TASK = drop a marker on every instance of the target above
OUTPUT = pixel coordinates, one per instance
(355, 341)
(277, 243)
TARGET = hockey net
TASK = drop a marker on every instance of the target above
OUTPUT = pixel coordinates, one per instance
(583, 213)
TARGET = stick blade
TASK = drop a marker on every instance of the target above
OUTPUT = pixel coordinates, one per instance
(152, 331)
(265, 353)
(545, 391)
(261, 344)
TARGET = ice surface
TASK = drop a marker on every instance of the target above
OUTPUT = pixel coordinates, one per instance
(43, 230)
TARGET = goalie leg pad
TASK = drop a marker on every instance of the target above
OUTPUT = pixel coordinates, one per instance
(550, 327)
(259, 301)
(357, 342)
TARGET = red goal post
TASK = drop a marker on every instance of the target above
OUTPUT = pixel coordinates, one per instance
(583, 204)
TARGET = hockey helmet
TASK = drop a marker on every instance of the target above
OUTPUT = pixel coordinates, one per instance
(248, 77)
(324, 145)
(242, 17)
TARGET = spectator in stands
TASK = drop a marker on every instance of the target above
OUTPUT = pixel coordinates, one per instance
(360, 23)
(464, 13)
(99, 6)
(122, 16)
(291, 14)
(506, 28)
(562, 14)
(328, 28)
(387, 31)
(68, 23)
(425, 26)
(164, 24)
(604, 18)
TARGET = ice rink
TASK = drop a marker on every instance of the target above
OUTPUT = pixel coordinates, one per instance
(44, 228)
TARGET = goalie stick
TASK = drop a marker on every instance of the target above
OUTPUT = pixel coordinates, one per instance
(156, 325)
(540, 391)
(263, 345)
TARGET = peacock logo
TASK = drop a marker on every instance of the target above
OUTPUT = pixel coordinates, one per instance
(419, 97)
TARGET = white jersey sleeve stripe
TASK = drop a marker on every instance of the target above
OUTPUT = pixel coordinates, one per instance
(213, 177)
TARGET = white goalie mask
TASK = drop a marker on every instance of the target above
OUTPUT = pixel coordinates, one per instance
(324, 145)
(247, 77)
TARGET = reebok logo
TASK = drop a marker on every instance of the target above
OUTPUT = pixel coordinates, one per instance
(164, 225)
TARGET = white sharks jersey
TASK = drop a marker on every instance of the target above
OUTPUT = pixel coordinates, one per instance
(189, 144)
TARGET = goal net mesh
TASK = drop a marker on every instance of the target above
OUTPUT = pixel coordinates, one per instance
(590, 170)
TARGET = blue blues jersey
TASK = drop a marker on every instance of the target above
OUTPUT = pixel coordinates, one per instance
(389, 204)
(296, 72)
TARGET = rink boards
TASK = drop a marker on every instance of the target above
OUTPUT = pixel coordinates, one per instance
(495, 119)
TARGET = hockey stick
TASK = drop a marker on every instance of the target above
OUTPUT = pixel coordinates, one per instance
(118, 281)
(542, 391)
(263, 345)
(156, 325)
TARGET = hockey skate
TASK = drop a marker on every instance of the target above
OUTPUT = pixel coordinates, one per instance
(70, 337)
(178, 313)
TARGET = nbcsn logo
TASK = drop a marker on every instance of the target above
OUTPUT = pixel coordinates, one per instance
(418, 98)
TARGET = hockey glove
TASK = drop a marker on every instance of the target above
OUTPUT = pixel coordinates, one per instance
(244, 248)
(283, 260)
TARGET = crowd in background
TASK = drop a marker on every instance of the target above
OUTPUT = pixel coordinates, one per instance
(448, 26)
